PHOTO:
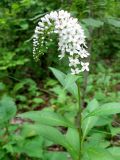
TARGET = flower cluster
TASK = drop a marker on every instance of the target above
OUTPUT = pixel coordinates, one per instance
(71, 39)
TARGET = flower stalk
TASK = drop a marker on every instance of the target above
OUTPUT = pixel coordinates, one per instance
(79, 120)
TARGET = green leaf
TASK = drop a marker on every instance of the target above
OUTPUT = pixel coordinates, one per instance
(92, 105)
(50, 133)
(93, 22)
(57, 155)
(89, 122)
(103, 120)
(38, 100)
(114, 22)
(98, 139)
(114, 130)
(47, 132)
(61, 94)
(7, 109)
(8, 147)
(23, 24)
(47, 117)
(59, 75)
(62, 78)
(106, 109)
(32, 146)
(99, 154)
(70, 80)
(115, 151)
(72, 137)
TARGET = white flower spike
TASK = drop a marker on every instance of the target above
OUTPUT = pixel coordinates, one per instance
(71, 39)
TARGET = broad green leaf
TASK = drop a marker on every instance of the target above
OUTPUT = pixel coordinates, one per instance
(115, 151)
(103, 120)
(46, 117)
(7, 109)
(47, 132)
(92, 105)
(27, 131)
(62, 78)
(57, 155)
(70, 80)
(93, 22)
(106, 109)
(72, 137)
(89, 122)
(59, 75)
(96, 153)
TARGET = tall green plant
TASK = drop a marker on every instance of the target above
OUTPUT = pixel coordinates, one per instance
(75, 140)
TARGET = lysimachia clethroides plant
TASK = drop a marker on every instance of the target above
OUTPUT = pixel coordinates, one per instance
(71, 43)
(81, 128)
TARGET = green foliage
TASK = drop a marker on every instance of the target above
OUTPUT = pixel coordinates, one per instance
(47, 117)
(66, 81)
(27, 93)
(7, 109)
(98, 154)
(89, 122)
(71, 139)
(106, 109)
(45, 125)
(8, 60)
(115, 151)
(92, 22)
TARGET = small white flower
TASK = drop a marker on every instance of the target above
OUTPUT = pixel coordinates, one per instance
(41, 24)
(85, 66)
(73, 62)
(75, 71)
(61, 56)
(37, 32)
(54, 15)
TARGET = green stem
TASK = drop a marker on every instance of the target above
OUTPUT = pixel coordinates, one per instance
(79, 120)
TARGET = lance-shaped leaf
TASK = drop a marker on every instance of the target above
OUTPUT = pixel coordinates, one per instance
(89, 122)
(68, 81)
(97, 153)
(48, 132)
(46, 117)
(106, 109)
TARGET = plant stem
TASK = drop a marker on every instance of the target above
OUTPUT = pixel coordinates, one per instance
(79, 120)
